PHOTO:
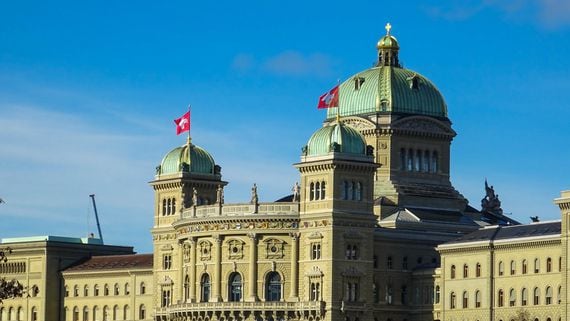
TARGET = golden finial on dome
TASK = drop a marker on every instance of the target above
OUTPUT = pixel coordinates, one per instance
(388, 28)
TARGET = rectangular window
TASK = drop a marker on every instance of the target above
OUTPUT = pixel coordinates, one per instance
(167, 262)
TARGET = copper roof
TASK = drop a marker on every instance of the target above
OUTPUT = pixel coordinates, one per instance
(114, 262)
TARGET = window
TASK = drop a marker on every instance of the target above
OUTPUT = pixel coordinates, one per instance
(205, 287)
(96, 290)
(389, 294)
(418, 161)
(513, 267)
(351, 291)
(116, 312)
(273, 287)
(126, 312)
(168, 206)
(536, 296)
(34, 314)
(478, 270)
(453, 271)
(437, 294)
(548, 265)
(512, 298)
(465, 271)
(164, 207)
(20, 314)
(235, 288)
(116, 289)
(105, 313)
(85, 314)
(560, 264)
(315, 251)
(351, 252)
(524, 297)
(166, 297)
(559, 294)
(142, 312)
(173, 206)
(434, 162)
(465, 300)
(548, 296)
(426, 162)
(402, 159)
(452, 299)
(127, 289)
(95, 313)
(142, 288)
(410, 166)
(358, 191)
(85, 290)
(106, 290)
(404, 295)
(405, 263)
(167, 262)
(315, 290)
(389, 262)
(524, 267)
(375, 294)
(186, 288)
(501, 268)
(375, 261)
(323, 190)
(311, 191)
(318, 191)
(477, 299)
(536, 266)
(501, 298)
(75, 314)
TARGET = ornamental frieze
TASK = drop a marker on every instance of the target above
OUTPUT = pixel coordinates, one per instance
(236, 226)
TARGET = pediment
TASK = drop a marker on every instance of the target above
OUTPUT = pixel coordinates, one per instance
(423, 124)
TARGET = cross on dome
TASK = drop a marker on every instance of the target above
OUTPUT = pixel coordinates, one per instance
(388, 28)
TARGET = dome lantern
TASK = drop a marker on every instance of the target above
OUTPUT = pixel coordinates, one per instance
(388, 48)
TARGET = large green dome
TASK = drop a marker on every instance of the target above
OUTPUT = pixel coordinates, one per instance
(177, 161)
(335, 137)
(389, 88)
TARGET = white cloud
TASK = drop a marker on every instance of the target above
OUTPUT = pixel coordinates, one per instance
(287, 63)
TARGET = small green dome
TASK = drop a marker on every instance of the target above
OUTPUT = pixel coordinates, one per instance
(338, 138)
(177, 161)
(388, 41)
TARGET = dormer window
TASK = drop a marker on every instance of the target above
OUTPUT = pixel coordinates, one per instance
(414, 81)
(358, 81)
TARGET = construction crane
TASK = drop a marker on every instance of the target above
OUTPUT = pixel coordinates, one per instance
(96, 217)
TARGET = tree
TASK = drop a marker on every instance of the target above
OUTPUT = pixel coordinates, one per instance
(9, 288)
(521, 315)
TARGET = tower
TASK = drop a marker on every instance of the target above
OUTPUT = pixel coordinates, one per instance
(186, 177)
(404, 117)
(563, 203)
(336, 221)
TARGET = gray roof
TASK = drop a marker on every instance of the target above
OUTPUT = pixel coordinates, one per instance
(511, 232)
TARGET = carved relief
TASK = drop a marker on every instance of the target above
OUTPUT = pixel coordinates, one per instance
(205, 248)
(235, 249)
(274, 249)
(358, 123)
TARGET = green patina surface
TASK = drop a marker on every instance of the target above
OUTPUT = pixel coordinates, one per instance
(200, 160)
(389, 89)
(349, 140)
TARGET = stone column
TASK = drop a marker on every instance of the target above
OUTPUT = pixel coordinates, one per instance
(192, 270)
(252, 268)
(180, 265)
(294, 295)
(217, 295)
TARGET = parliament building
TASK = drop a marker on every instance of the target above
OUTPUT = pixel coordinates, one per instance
(374, 231)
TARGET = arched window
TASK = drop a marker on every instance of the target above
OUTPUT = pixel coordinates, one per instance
(116, 289)
(168, 206)
(173, 206)
(548, 265)
(116, 312)
(164, 207)
(273, 287)
(205, 287)
(453, 271)
(85, 290)
(477, 299)
(10, 313)
(2, 316)
(410, 155)
(375, 293)
(548, 296)
(315, 291)
(142, 312)
(318, 191)
(524, 297)
(96, 290)
(127, 289)
(437, 294)
(513, 267)
(85, 314)
(452, 300)
(187, 288)
(478, 270)
(512, 298)
(560, 264)
(536, 265)
(418, 161)
(465, 270)
(344, 190)
(95, 313)
(75, 314)
(402, 159)
(524, 267)
(389, 262)
(323, 190)
(106, 290)
(350, 193)
(501, 268)
(311, 191)
(559, 297)
(105, 313)
(358, 191)
(142, 288)
(536, 296)
(426, 162)
(501, 298)
(465, 300)
(20, 315)
(126, 312)
(434, 162)
(35, 314)
(235, 288)
(389, 294)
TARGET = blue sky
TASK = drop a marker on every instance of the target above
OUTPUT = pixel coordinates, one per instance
(89, 89)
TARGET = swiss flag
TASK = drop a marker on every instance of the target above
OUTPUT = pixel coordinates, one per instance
(329, 99)
(182, 123)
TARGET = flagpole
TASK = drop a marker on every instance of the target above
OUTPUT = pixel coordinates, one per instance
(338, 110)
(188, 142)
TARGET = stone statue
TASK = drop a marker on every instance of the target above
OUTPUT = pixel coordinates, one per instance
(491, 202)
(254, 198)
(296, 192)
(194, 197)
(220, 195)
